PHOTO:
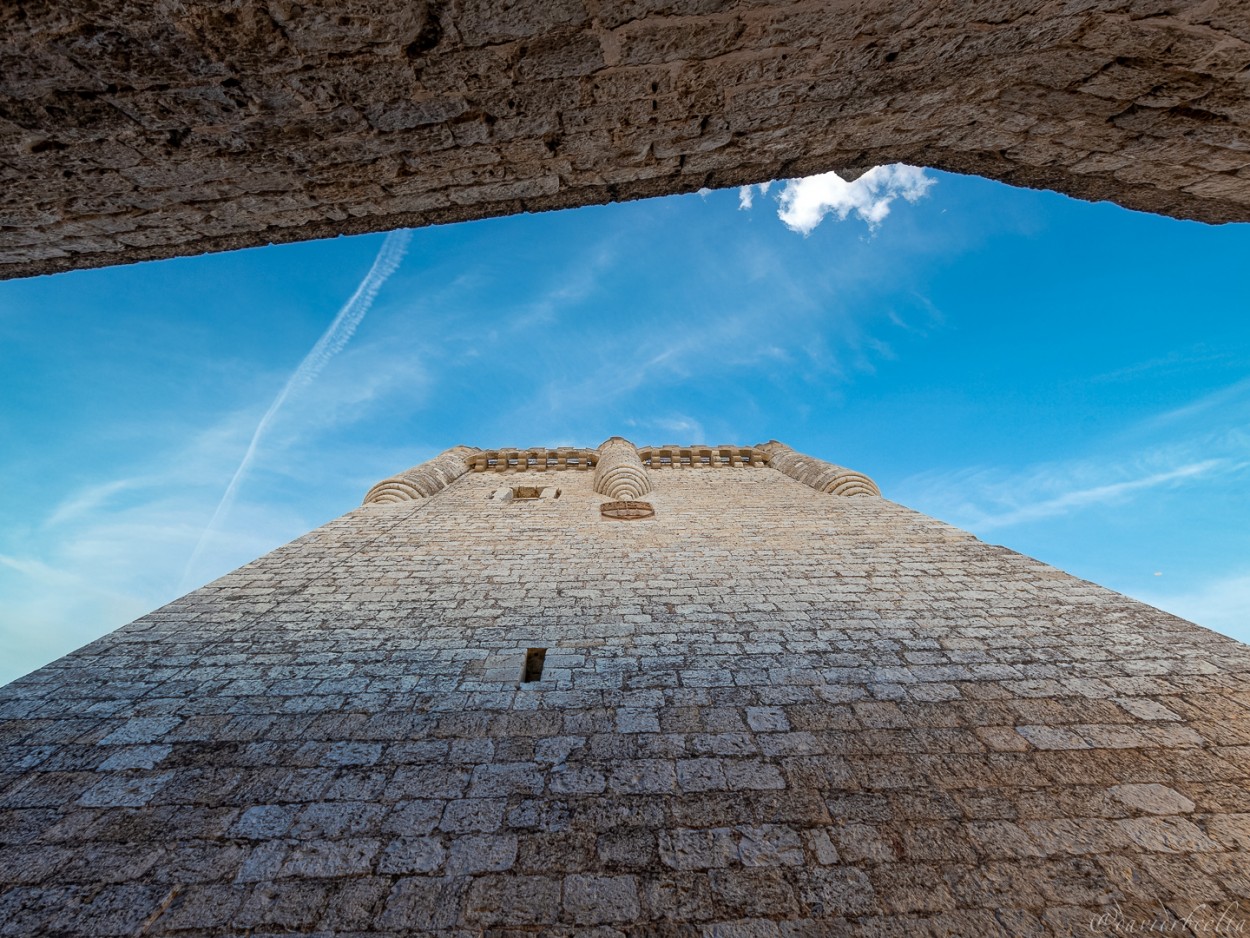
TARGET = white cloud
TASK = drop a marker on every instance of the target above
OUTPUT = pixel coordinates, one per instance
(113, 548)
(118, 562)
(746, 194)
(1104, 494)
(576, 283)
(1235, 394)
(685, 429)
(332, 341)
(987, 499)
(1136, 459)
(804, 203)
(89, 499)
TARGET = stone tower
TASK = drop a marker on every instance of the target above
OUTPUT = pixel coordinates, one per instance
(662, 691)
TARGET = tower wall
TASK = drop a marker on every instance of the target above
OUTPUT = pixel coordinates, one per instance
(766, 710)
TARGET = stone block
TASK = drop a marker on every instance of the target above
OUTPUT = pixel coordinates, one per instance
(125, 791)
(596, 900)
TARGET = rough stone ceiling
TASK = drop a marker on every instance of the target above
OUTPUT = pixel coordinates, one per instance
(138, 129)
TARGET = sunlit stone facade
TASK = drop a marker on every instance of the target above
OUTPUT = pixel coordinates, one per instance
(482, 703)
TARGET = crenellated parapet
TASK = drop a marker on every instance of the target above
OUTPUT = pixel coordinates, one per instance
(622, 471)
(424, 480)
(695, 457)
(820, 475)
(534, 459)
(619, 473)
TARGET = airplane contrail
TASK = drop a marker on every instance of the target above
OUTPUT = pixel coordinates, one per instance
(330, 344)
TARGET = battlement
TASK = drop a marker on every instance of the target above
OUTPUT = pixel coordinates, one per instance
(622, 470)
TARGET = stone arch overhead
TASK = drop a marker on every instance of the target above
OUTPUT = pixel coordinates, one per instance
(135, 130)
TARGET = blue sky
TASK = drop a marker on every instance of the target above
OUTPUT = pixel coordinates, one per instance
(1070, 380)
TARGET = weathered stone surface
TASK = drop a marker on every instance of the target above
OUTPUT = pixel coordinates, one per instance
(424, 480)
(767, 710)
(619, 473)
(820, 475)
(1152, 799)
(136, 130)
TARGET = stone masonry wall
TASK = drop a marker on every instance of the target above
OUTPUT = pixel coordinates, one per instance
(768, 711)
(132, 130)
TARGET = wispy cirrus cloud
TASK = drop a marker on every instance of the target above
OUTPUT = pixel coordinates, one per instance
(577, 282)
(679, 426)
(990, 500)
(1236, 395)
(86, 500)
(115, 546)
(1202, 441)
(1199, 355)
(805, 203)
(332, 341)
(112, 550)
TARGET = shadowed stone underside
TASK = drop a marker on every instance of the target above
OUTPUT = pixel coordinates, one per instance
(132, 130)
(765, 710)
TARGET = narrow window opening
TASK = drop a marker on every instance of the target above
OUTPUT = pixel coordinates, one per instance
(524, 493)
(534, 658)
